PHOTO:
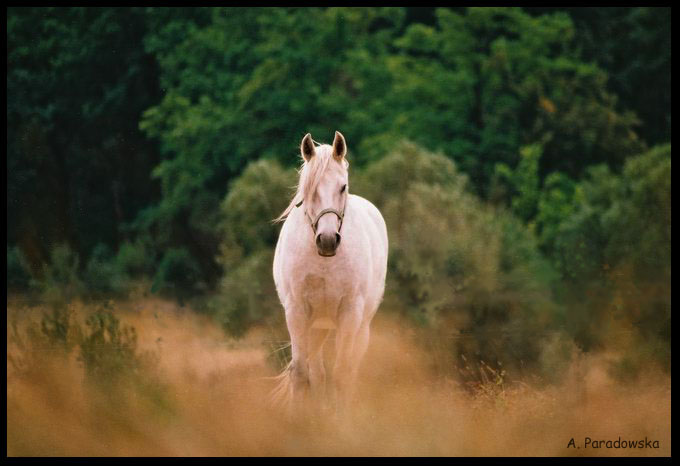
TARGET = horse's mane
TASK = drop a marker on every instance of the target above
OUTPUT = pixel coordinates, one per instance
(310, 174)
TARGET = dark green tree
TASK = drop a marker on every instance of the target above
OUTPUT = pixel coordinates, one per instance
(77, 82)
(633, 45)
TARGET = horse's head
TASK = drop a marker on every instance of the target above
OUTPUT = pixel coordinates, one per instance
(325, 190)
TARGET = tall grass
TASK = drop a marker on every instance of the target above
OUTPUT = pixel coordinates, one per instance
(83, 382)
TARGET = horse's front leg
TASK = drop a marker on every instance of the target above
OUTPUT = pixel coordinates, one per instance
(346, 363)
(317, 372)
(298, 328)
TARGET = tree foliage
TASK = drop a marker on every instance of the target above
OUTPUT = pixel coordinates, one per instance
(78, 167)
(246, 293)
(457, 264)
(477, 86)
(159, 143)
(612, 245)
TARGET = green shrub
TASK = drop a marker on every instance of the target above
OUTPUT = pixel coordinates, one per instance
(61, 281)
(135, 259)
(247, 295)
(108, 350)
(54, 336)
(114, 366)
(558, 200)
(524, 181)
(178, 274)
(18, 270)
(614, 251)
(457, 265)
(257, 197)
(103, 276)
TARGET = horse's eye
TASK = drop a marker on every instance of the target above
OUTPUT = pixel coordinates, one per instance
(342, 190)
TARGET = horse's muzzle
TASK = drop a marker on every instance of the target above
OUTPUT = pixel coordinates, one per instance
(327, 243)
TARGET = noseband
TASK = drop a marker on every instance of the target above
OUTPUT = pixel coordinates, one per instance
(314, 222)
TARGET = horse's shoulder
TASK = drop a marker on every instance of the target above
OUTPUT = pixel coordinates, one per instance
(369, 209)
(363, 203)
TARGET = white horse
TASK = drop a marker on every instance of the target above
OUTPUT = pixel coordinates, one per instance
(329, 269)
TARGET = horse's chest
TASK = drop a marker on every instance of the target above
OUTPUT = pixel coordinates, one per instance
(320, 289)
(322, 296)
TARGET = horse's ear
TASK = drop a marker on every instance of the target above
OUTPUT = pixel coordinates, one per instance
(307, 147)
(339, 146)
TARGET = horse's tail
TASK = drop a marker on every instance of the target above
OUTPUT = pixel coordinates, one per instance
(282, 394)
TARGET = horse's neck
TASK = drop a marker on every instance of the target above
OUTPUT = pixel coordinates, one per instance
(298, 219)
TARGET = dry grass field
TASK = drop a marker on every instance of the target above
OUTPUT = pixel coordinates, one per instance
(205, 396)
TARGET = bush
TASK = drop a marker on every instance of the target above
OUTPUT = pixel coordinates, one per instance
(246, 295)
(135, 259)
(456, 265)
(523, 181)
(106, 351)
(614, 251)
(61, 281)
(54, 336)
(18, 270)
(256, 198)
(178, 274)
(103, 275)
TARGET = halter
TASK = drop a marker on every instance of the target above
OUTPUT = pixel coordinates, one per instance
(314, 222)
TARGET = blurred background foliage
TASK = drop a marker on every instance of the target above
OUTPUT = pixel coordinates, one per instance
(520, 156)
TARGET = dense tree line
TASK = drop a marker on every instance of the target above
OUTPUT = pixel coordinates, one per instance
(130, 130)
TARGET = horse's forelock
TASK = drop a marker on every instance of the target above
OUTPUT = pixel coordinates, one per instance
(313, 171)
(310, 175)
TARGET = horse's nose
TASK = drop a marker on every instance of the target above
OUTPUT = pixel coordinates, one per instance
(327, 243)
